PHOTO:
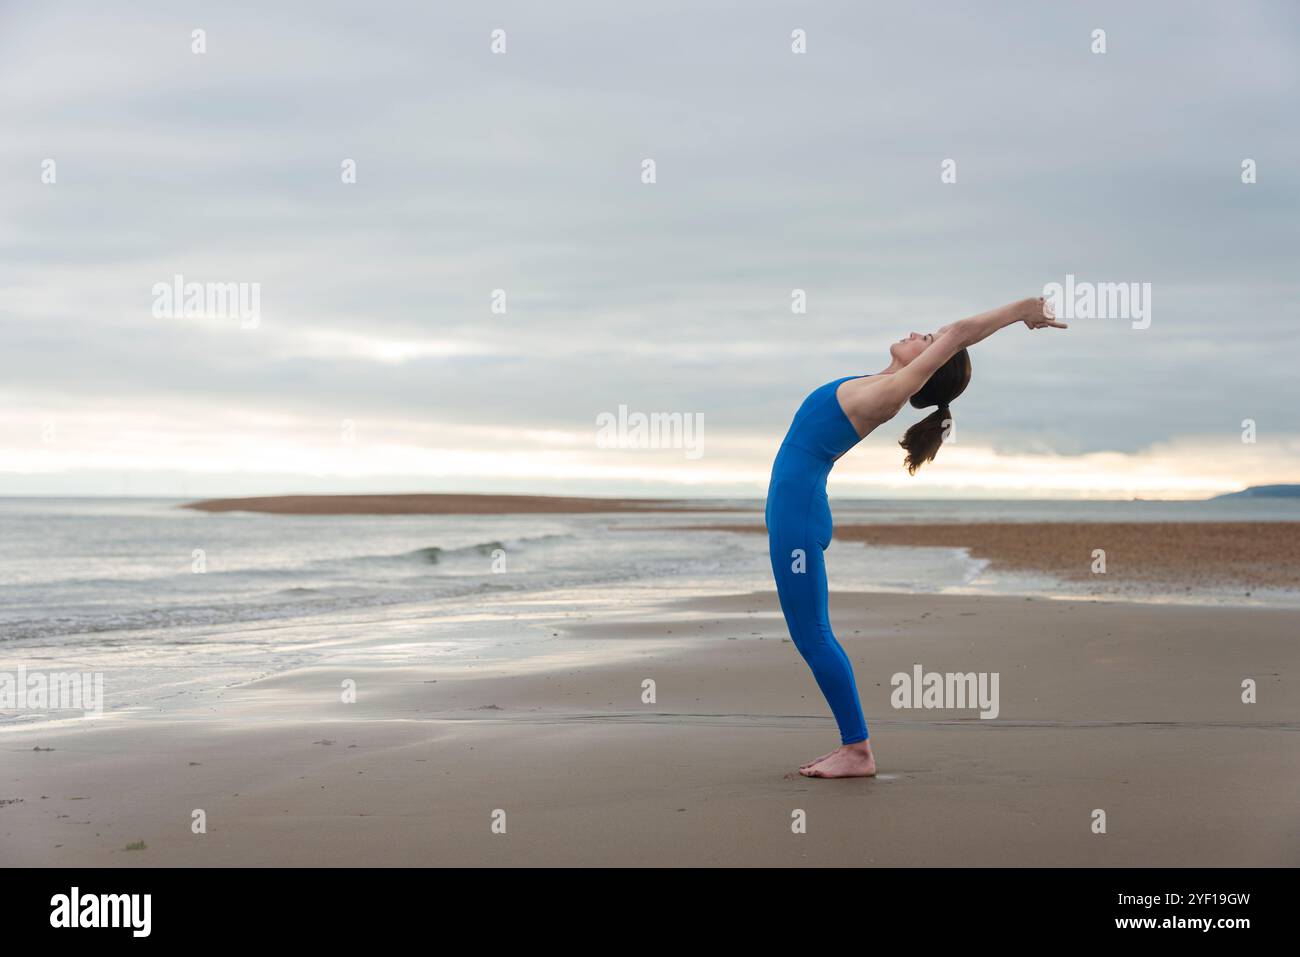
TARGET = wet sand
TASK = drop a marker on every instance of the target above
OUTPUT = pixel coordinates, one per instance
(1132, 709)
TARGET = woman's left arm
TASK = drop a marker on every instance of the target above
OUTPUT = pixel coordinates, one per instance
(950, 340)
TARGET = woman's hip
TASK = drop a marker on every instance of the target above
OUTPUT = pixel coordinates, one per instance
(800, 515)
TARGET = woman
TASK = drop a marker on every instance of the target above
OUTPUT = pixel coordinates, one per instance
(925, 370)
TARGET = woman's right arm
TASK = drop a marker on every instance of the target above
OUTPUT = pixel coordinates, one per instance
(1034, 313)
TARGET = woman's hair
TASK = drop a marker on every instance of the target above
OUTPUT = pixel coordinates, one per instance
(922, 440)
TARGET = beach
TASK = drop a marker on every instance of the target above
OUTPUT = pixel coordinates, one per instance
(1131, 709)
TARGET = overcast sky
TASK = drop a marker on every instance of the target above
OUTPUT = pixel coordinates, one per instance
(377, 362)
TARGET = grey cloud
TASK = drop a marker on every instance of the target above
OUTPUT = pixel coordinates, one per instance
(478, 172)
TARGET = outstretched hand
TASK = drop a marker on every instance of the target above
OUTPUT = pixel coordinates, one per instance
(1040, 315)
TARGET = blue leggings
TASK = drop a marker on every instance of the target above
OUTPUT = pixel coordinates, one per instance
(799, 529)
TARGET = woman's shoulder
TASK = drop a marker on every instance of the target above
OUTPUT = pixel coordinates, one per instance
(867, 400)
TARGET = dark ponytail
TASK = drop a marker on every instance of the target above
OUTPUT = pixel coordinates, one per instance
(922, 440)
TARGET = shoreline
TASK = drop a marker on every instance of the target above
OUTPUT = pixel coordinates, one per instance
(1115, 558)
(1190, 555)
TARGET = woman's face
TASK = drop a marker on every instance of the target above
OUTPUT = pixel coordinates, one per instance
(908, 348)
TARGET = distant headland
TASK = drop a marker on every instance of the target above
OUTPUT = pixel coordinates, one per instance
(1262, 491)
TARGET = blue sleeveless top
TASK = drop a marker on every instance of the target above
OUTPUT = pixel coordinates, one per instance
(821, 427)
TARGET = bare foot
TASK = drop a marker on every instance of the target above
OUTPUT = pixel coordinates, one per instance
(808, 764)
(847, 761)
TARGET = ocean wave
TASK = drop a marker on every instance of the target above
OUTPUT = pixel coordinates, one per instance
(434, 554)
